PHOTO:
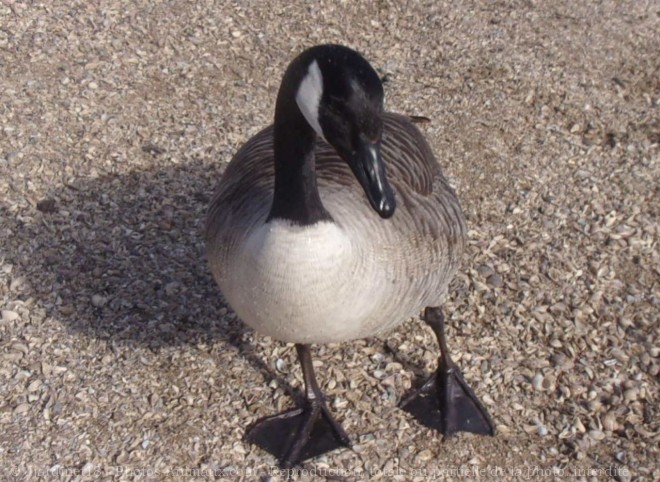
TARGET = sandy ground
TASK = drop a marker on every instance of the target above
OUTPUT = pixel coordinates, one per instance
(120, 360)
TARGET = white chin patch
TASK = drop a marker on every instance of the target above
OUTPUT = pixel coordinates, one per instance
(309, 96)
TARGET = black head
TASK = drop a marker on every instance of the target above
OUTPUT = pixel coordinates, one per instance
(341, 97)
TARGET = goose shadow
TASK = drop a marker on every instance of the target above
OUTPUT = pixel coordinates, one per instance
(121, 258)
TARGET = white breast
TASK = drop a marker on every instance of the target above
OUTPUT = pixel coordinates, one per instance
(306, 284)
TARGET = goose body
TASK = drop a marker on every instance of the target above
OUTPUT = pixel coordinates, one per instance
(352, 276)
(337, 223)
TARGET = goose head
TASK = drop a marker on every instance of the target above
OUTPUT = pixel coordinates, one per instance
(341, 97)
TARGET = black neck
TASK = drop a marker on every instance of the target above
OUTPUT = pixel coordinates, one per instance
(296, 197)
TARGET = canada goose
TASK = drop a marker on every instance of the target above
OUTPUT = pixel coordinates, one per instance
(310, 243)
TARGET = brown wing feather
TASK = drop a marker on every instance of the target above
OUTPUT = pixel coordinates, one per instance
(427, 203)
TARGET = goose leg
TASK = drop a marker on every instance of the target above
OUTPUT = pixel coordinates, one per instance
(302, 433)
(459, 409)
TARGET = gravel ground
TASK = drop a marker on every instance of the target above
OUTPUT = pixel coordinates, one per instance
(120, 360)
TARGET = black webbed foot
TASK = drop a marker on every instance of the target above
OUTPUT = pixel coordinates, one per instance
(299, 434)
(446, 402)
(302, 433)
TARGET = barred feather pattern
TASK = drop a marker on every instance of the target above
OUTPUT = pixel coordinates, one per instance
(357, 276)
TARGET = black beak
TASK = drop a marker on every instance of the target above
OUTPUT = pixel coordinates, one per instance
(369, 169)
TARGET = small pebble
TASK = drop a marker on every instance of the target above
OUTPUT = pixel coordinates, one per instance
(99, 300)
(609, 422)
(485, 270)
(623, 476)
(645, 358)
(424, 455)
(87, 469)
(22, 408)
(560, 360)
(631, 394)
(172, 287)
(47, 206)
(17, 284)
(537, 382)
(548, 384)
(8, 315)
(152, 148)
(494, 280)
